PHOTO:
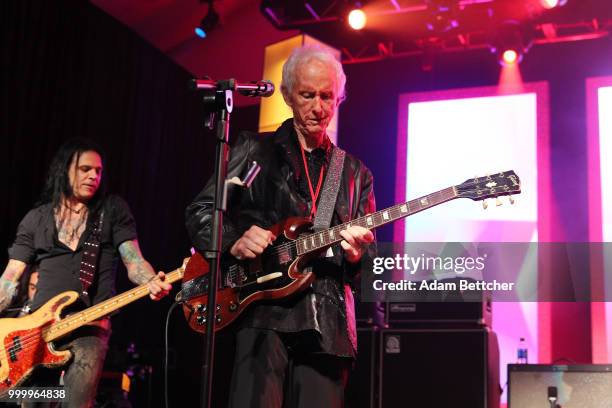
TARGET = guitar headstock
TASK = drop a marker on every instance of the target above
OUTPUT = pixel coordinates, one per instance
(480, 188)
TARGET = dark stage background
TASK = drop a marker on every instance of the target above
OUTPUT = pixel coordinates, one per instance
(70, 70)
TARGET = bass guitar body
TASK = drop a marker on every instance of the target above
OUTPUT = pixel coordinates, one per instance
(27, 341)
(24, 346)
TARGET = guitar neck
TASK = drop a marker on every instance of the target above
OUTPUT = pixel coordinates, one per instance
(102, 309)
(322, 239)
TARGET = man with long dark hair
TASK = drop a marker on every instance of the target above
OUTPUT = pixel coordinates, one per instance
(75, 214)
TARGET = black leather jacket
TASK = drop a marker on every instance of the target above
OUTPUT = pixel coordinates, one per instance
(326, 309)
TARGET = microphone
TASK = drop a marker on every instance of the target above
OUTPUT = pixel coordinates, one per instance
(262, 88)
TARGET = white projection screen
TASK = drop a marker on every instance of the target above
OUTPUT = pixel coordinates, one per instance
(599, 125)
(446, 137)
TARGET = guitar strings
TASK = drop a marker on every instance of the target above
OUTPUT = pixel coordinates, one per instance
(437, 198)
(31, 339)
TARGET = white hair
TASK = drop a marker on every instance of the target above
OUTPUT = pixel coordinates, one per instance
(305, 54)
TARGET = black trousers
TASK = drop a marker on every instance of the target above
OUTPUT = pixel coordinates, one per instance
(272, 370)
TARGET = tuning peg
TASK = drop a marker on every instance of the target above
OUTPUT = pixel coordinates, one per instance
(511, 199)
(484, 204)
(498, 202)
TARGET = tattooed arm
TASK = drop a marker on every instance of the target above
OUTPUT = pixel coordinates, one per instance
(140, 271)
(9, 281)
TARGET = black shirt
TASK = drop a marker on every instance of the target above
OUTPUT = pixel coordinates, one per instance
(37, 242)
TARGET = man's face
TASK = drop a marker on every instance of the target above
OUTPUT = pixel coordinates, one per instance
(85, 175)
(313, 98)
(32, 285)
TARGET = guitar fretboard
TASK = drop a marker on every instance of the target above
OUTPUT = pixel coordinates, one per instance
(90, 314)
(322, 239)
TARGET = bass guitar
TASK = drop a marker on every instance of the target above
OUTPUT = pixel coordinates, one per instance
(280, 271)
(26, 342)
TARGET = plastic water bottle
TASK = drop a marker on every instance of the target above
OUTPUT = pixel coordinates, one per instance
(522, 352)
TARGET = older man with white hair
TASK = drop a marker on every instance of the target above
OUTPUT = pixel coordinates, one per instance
(295, 352)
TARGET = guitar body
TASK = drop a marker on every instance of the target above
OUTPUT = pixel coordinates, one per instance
(277, 273)
(280, 271)
(23, 345)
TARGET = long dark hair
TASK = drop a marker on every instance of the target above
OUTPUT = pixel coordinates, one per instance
(57, 184)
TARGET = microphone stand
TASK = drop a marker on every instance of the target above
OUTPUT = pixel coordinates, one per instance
(218, 104)
(218, 98)
(552, 397)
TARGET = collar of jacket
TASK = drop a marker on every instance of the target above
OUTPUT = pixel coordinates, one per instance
(288, 146)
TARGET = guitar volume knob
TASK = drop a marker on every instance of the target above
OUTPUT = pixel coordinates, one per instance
(233, 307)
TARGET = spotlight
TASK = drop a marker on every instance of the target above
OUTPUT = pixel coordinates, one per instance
(549, 4)
(208, 23)
(509, 57)
(357, 19)
(510, 43)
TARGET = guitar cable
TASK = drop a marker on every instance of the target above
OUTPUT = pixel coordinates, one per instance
(167, 352)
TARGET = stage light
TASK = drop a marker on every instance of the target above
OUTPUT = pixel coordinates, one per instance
(510, 57)
(550, 4)
(510, 42)
(357, 19)
(200, 33)
(208, 23)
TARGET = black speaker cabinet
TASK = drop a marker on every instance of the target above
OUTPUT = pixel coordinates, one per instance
(362, 385)
(439, 368)
(574, 386)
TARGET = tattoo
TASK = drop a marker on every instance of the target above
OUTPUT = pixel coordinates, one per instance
(70, 225)
(9, 282)
(13, 270)
(139, 270)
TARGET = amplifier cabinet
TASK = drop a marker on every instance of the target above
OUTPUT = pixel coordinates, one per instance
(439, 368)
(405, 314)
(575, 386)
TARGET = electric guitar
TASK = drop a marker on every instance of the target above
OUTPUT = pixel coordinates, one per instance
(26, 342)
(279, 271)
